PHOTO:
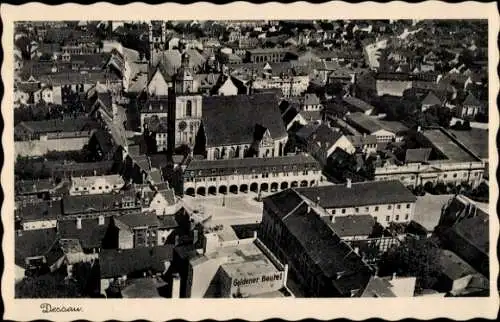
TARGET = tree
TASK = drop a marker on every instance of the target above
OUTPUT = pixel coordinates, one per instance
(47, 286)
(414, 257)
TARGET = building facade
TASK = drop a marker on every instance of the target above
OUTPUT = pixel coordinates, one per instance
(204, 177)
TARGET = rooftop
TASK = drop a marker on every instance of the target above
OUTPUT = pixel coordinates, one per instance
(372, 192)
(248, 164)
(353, 225)
(33, 243)
(120, 262)
(90, 235)
(448, 146)
(334, 258)
(231, 120)
(475, 139)
(453, 266)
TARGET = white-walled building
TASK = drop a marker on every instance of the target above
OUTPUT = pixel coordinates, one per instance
(96, 184)
(204, 177)
(386, 201)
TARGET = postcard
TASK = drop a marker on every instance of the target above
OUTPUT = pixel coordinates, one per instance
(250, 161)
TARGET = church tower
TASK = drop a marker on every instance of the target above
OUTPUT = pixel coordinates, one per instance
(184, 113)
(184, 77)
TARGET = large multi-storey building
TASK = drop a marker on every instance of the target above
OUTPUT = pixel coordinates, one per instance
(386, 201)
(300, 234)
(453, 163)
(250, 174)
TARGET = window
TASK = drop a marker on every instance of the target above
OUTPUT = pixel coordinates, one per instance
(407, 206)
(397, 217)
(389, 207)
(343, 211)
(387, 218)
(407, 216)
(367, 209)
(189, 108)
(76, 189)
(376, 208)
(100, 187)
(107, 187)
(398, 206)
(454, 175)
(333, 211)
(375, 218)
(465, 175)
(445, 175)
(93, 188)
(356, 209)
(476, 174)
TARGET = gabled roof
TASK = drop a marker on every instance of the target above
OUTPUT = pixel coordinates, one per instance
(231, 120)
(57, 125)
(138, 220)
(311, 99)
(431, 99)
(90, 235)
(116, 263)
(358, 103)
(372, 192)
(417, 155)
(323, 247)
(471, 100)
(33, 243)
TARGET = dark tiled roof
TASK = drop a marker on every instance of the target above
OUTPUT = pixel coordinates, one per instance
(453, 266)
(365, 122)
(471, 100)
(34, 186)
(28, 87)
(115, 263)
(476, 231)
(167, 222)
(59, 168)
(169, 195)
(360, 194)
(91, 203)
(44, 210)
(199, 168)
(417, 155)
(378, 287)
(358, 103)
(57, 125)
(232, 119)
(353, 225)
(323, 247)
(105, 141)
(155, 105)
(33, 243)
(360, 140)
(139, 220)
(289, 115)
(431, 99)
(90, 235)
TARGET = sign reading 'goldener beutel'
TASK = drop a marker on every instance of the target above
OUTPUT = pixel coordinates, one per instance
(255, 280)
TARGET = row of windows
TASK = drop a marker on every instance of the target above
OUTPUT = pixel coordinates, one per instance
(264, 175)
(94, 188)
(396, 218)
(367, 209)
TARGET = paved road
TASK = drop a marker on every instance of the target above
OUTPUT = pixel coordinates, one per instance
(237, 209)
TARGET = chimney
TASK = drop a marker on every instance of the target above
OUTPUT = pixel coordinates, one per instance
(176, 242)
(317, 201)
(210, 242)
(176, 286)
(195, 236)
(101, 220)
(419, 129)
(349, 183)
(393, 276)
(78, 223)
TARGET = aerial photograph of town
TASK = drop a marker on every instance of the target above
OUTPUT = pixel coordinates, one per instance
(251, 159)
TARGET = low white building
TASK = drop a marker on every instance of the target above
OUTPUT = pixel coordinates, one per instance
(385, 201)
(96, 184)
(204, 177)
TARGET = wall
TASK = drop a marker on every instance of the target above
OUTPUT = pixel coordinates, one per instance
(39, 148)
(125, 239)
(39, 224)
(262, 283)
(381, 214)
